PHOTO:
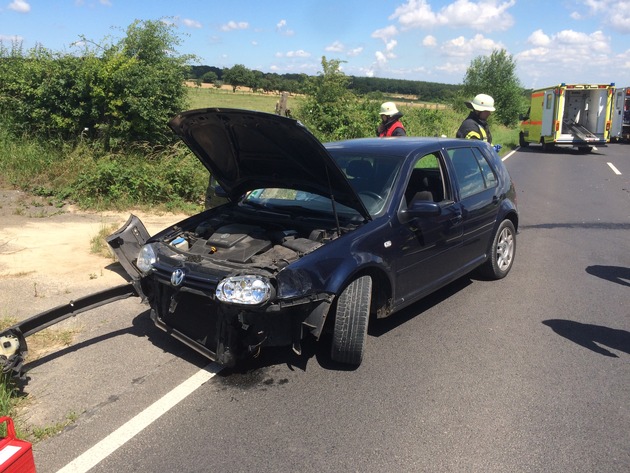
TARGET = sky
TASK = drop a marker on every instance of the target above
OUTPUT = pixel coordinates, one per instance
(572, 41)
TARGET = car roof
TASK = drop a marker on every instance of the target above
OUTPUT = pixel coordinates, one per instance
(401, 145)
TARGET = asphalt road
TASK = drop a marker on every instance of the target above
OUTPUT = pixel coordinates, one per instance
(528, 374)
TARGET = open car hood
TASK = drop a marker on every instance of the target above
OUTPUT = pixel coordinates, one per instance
(246, 150)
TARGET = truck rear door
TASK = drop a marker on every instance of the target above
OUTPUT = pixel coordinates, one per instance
(617, 114)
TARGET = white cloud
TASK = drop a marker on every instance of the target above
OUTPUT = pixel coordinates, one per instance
(190, 23)
(462, 47)
(569, 51)
(538, 38)
(335, 47)
(381, 59)
(233, 25)
(385, 33)
(620, 20)
(292, 54)
(429, 41)
(20, 6)
(415, 13)
(355, 52)
(281, 27)
(389, 47)
(484, 15)
(613, 13)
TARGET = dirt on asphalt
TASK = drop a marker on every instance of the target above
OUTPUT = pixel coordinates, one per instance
(45, 252)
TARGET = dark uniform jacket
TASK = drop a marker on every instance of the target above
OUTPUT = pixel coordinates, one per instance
(473, 128)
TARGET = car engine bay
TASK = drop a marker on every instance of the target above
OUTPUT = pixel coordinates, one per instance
(260, 241)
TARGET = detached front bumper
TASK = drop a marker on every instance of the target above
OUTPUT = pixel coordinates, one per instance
(13, 346)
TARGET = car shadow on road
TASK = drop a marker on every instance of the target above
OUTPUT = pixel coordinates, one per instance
(557, 150)
(618, 274)
(592, 336)
(382, 326)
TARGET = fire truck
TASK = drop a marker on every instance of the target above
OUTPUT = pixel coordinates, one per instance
(620, 128)
(577, 115)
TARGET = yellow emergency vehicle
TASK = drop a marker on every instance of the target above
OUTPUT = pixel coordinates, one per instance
(577, 115)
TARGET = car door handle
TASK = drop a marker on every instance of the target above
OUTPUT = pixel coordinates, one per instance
(456, 218)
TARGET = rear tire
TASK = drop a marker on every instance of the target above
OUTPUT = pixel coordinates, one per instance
(502, 252)
(521, 140)
(351, 322)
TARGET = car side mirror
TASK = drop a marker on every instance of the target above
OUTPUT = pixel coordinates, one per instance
(421, 208)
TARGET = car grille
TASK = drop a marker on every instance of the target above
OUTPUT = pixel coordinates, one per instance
(193, 281)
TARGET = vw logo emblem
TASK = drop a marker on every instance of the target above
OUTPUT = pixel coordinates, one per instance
(177, 277)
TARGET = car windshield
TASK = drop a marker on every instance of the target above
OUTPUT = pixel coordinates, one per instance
(298, 203)
(371, 176)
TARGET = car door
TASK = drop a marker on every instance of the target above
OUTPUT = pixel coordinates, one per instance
(428, 232)
(477, 184)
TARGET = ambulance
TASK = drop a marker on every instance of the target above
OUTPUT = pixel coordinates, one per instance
(577, 115)
(620, 128)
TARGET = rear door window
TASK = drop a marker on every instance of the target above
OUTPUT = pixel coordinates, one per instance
(474, 173)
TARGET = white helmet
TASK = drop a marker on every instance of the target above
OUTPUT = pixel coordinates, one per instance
(482, 103)
(389, 109)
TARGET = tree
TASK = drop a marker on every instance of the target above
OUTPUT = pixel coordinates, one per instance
(143, 83)
(120, 93)
(330, 110)
(495, 75)
(210, 77)
(238, 76)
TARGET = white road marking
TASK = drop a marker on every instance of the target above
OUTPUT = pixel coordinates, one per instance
(510, 153)
(615, 170)
(123, 434)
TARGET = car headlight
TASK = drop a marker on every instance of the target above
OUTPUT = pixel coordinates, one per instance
(146, 258)
(244, 290)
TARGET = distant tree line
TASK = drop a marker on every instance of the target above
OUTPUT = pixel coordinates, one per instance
(240, 76)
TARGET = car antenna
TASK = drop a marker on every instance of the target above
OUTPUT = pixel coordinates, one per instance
(332, 200)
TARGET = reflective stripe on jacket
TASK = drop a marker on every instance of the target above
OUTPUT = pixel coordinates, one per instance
(474, 129)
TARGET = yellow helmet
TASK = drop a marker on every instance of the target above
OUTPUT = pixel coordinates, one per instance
(389, 109)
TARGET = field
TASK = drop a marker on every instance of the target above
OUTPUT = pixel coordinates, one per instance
(209, 96)
(206, 97)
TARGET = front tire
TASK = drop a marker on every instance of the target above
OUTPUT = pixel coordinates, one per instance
(502, 252)
(351, 322)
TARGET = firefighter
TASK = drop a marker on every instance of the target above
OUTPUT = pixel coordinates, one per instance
(475, 126)
(390, 121)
